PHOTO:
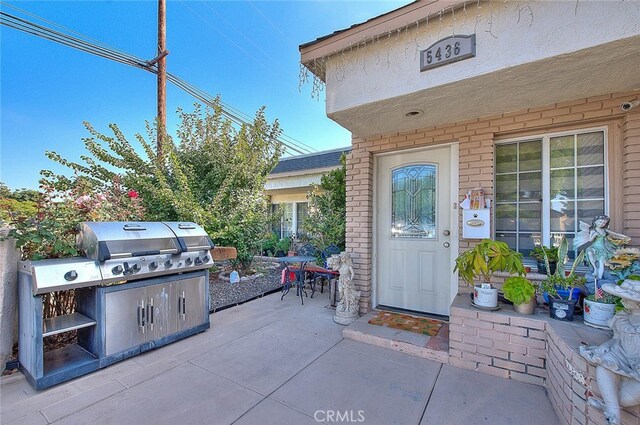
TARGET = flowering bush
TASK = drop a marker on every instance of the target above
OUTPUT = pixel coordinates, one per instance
(214, 176)
(50, 231)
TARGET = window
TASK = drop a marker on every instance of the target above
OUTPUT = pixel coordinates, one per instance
(302, 212)
(413, 202)
(292, 215)
(544, 186)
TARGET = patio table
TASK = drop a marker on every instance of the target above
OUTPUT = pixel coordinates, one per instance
(299, 282)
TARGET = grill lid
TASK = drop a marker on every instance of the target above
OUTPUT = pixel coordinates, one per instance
(191, 237)
(102, 241)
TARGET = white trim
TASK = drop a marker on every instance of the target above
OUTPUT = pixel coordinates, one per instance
(455, 220)
(546, 175)
(454, 237)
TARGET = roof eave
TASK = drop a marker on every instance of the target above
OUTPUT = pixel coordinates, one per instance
(314, 53)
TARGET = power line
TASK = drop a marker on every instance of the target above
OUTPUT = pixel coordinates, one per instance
(105, 51)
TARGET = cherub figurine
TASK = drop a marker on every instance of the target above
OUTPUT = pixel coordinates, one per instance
(617, 361)
(599, 243)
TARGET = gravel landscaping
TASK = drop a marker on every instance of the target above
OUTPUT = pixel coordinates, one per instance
(226, 294)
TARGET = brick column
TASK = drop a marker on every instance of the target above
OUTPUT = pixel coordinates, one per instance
(631, 175)
(359, 240)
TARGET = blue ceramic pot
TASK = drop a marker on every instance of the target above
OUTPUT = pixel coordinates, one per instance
(564, 294)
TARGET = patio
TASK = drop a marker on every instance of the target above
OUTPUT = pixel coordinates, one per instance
(277, 362)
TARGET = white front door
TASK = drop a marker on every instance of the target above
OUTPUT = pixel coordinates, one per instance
(414, 218)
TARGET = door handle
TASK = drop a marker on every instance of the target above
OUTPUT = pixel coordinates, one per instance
(184, 306)
(141, 322)
(446, 233)
(446, 244)
(150, 314)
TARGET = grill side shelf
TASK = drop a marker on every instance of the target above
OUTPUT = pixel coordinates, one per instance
(66, 323)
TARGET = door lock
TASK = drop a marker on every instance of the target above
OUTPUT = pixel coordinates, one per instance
(446, 244)
(446, 233)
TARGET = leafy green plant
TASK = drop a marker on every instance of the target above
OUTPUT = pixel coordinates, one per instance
(518, 289)
(269, 243)
(606, 299)
(487, 258)
(560, 279)
(326, 223)
(538, 253)
(283, 244)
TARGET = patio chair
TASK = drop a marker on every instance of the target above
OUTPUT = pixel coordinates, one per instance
(328, 274)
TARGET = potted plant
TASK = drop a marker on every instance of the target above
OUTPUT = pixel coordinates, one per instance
(538, 254)
(599, 308)
(282, 247)
(522, 293)
(562, 290)
(481, 262)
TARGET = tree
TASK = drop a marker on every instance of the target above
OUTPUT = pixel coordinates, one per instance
(326, 223)
(213, 176)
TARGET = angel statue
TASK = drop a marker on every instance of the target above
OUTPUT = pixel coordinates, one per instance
(347, 309)
(599, 243)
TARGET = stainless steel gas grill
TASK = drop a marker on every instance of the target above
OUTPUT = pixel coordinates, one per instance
(130, 251)
(140, 285)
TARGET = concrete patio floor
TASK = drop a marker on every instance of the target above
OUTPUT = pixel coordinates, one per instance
(276, 362)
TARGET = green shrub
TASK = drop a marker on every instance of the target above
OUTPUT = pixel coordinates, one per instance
(214, 176)
(326, 223)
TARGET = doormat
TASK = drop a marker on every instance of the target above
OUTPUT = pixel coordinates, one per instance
(404, 322)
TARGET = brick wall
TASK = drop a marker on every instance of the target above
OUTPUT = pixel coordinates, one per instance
(508, 347)
(631, 174)
(476, 142)
(532, 349)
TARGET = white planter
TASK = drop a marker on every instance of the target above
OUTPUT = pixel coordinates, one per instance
(485, 297)
(598, 314)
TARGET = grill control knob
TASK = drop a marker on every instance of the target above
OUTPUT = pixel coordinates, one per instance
(136, 268)
(71, 275)
(205, 259)
(198, 261)
(168, 264)
(117, 270)
(189, 261)
(153, 265)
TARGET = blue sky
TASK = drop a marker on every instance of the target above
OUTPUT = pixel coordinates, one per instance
(245, 51)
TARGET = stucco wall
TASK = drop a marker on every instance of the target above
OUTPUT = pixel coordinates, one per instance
(508, 34)
(477, 138)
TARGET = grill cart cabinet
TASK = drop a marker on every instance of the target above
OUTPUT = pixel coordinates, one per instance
(142, 315)
(113, 323)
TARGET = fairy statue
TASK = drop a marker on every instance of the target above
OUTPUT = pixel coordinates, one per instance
(599, 243)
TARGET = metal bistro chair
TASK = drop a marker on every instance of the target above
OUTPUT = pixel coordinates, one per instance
(329, 274)
(307, 250)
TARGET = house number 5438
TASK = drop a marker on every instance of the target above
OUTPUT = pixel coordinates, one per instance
(448, 50)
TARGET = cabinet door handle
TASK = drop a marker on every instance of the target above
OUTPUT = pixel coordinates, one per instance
(141, 321)
(150, 314)
(184, 306)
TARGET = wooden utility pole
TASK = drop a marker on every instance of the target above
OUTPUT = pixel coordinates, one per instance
(162, 74)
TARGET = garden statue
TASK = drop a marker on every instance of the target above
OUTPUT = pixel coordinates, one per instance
(617, 361)
(347, 309)
(599, 243)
